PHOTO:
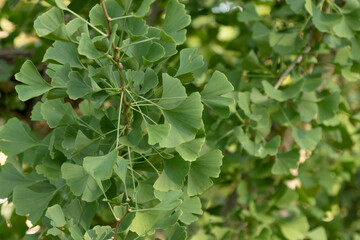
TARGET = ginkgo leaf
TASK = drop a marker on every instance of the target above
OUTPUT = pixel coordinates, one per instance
(120, 168)
(175, 21)
(295, 228)
(285, 43)
(211, 95)
(168, 201)
(201, 170)
(144, 8)
(57, 113)
(81, 183)
(144, 222)
(30, 202)
(87, 47)
(327, 107)
(248, 13)
(257, 149)
(308, 106)
(185, 120)
(34, 84)
(78, 86)
(282, 95)
(101, 167)
(173, 174)
(189, 62)
(189, 151)
(51, 25)
(145, 52)
(173, 92)
(99, 233)
(190, 207)
(56, 214)
(285, 161)
(307, 139)
(157, 132)
(61, 4)
(16, 137)
(11, 177)
(63, 52)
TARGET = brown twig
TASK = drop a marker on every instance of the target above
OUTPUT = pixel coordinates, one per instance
(119, 66)
(125, 111)
(127, 211)
(296, 62)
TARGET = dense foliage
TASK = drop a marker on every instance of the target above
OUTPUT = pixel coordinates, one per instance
(130, 125)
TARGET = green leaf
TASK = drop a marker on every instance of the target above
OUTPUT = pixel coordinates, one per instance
(51, 25)
(78, 86)
(144, 222)
(145, 51)
(189, 62)
(318, 233)
(30, 202)
(173, 174)
(211, 95)
(189, 151)
(81, 183)
(251, 62)
(157, 132)
(34, 83)
(175, 21)
(190, 206)
(327, 107)
(257, 149)
(296, 228)
(11, 177)
(63, 52)
(296, 5)
(206, 166)
(285, 43)
(307, 106)
(248, 13)
(168, 201)
(185, 120)
(120, 169)
(282, 95)
(61, 4)
(101, 167)
(56, 214)
(173, 92)
(144, 8)
(150, 81)
(175, 233)
(87, 47)
(307, 139)
(57, 113)
(15, 138)
(285, 161)
(99, 233)
(260, 32)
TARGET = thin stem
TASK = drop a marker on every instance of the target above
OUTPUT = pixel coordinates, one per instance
(118, 123)
(127, 211)
(291, 67)
(132, 176)
(148, 161)
(134, 43)
(87, 22)
(85, 124)
(122, 17)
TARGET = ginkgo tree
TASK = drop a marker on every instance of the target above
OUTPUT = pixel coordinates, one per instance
(127, 129)
(239, 122)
